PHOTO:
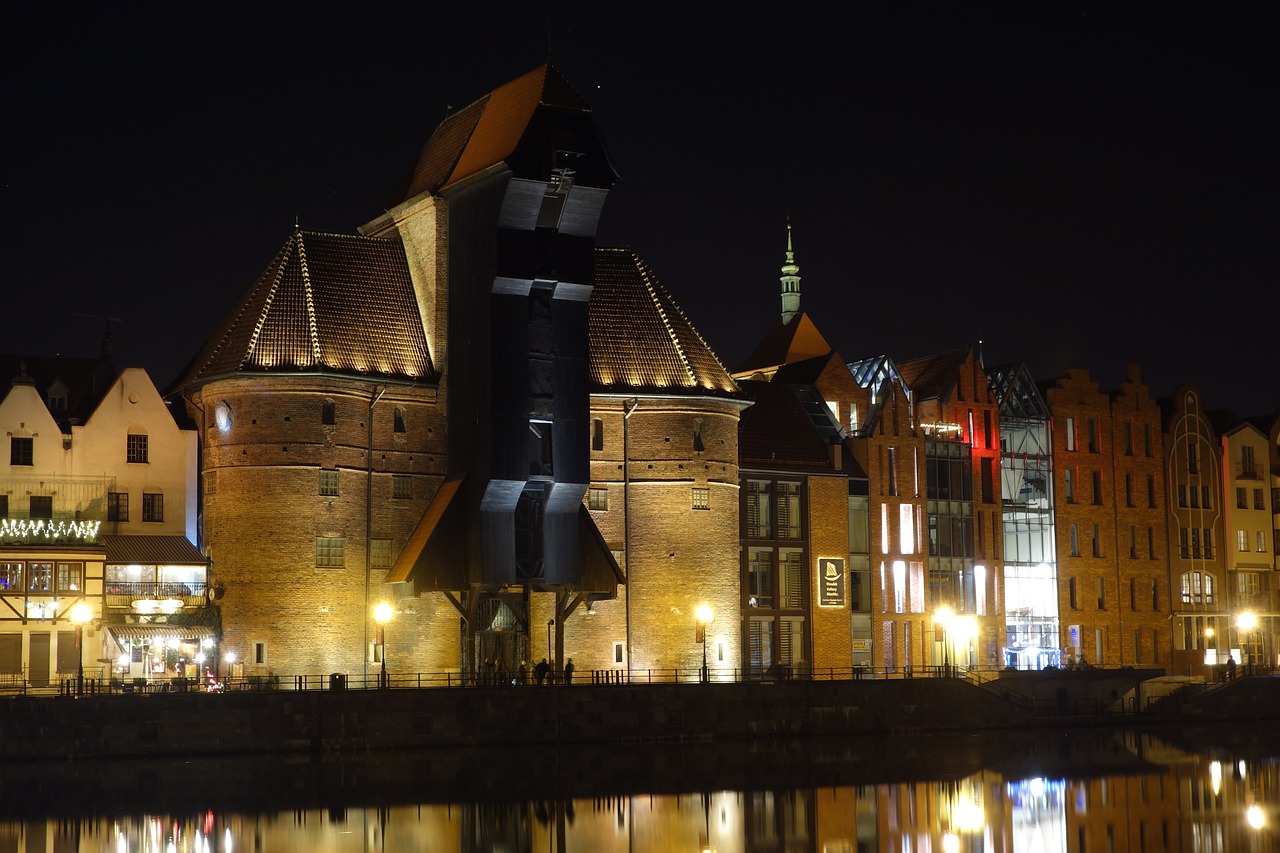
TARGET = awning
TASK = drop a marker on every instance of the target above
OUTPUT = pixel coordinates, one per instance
(153, 550)
(437, 544)
(125, 635)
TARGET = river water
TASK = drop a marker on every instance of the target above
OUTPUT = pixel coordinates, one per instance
(1073, 790)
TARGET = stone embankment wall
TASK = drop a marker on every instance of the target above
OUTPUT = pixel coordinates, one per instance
(258, 722)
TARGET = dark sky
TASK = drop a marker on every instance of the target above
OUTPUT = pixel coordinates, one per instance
(1073, 184)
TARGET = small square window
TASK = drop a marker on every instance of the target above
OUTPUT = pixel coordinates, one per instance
(152, 506)
(401, 487)
(21, 450)
(598, 499)
(136, 449)
(701, 497)
(329, 483)
(330, 552)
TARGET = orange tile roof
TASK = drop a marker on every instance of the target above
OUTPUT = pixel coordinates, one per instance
(487, 131)
(641, 340)
(783, 344)
(326, 303)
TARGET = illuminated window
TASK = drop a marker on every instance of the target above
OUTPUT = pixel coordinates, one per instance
(136, 449)
(21, 451)
(70, 577)
(41, 577)
(330, 552)
(117, 506)
(152, 506)
(329, 483)
(401, 487)
(1242, 540)
(598, 499)
(701, 497)
(1069, 434)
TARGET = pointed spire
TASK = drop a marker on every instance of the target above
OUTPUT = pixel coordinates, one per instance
(790, 282)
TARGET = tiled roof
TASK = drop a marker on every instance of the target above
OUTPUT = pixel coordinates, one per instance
(641, 340)
(487, 131)
(326, 303)
(932, 377)
(777, 431)
(785, 343)
(153, 550)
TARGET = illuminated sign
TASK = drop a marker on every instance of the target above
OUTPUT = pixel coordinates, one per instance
(830, 582)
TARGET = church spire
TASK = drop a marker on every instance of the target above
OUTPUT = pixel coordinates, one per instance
(790, 282)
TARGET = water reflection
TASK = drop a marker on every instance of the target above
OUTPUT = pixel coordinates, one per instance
(1061, 792)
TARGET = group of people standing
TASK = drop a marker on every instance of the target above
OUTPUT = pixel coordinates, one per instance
(495, 671)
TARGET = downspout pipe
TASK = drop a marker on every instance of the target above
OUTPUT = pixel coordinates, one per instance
(629, 409)
(368, 525)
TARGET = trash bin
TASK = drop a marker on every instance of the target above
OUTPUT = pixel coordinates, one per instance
(338, 681)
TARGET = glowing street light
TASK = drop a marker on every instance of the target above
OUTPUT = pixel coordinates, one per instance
(382, 615)
(1247, 622)
(705, 617)
(80, 614)
(944, 617)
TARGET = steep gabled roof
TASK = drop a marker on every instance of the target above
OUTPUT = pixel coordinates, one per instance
(784, 343)
(326, 303)
(486, 132)
(778, 431)
(82, 381)
(641, 340)
(933, 377)
(1016, 391)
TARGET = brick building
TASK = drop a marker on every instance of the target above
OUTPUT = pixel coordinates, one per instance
(1107, 453)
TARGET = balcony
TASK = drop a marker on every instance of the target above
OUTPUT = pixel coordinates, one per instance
(122, 596)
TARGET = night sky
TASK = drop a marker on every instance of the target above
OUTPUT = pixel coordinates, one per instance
(1073, 184)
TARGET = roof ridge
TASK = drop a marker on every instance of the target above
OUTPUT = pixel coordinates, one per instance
(666, 322)
(282, 262)
(308, 293)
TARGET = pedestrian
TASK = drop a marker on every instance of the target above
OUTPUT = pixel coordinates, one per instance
(568, 671)
(540, 671)
(523, 675)
(1231, 669)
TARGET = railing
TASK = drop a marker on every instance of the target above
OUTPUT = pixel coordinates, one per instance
(125, 594)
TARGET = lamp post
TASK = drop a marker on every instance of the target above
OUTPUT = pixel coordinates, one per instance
(705, 617)
(943, 617)
(1247, 622)
(382, 615)
(550, 622)
(80, 614)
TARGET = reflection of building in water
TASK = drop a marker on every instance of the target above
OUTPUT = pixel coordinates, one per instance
(1179, 802)
(970, 814)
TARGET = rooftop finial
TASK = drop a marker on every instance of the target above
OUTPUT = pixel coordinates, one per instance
(790, 281)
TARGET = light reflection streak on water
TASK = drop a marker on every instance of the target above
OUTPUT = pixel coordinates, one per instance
(1191, 804)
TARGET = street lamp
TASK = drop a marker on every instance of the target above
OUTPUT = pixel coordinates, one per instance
(943, 617)
(80, 614)
(1246, 622)
(705, 617)
(382, 615)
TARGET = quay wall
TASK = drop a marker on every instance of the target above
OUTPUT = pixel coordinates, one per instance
(288, 721)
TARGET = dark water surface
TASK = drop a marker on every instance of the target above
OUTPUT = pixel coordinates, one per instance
(1072, 790)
